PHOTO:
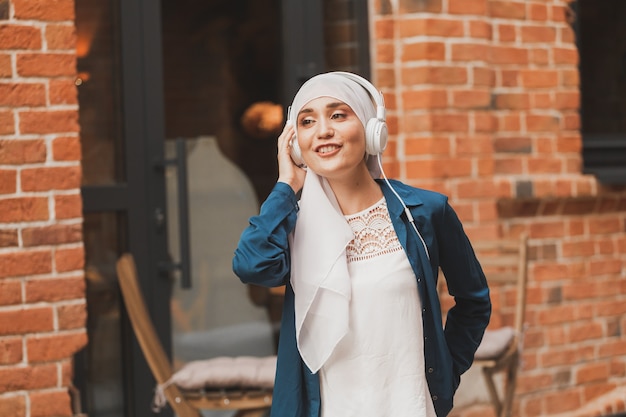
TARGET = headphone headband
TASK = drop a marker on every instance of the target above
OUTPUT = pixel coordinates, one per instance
(376, 95)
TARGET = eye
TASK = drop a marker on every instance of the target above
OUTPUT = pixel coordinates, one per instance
(305, 121)
(338, 115)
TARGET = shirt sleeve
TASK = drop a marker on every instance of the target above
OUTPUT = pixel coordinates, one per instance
(262, 254)
(468, 318)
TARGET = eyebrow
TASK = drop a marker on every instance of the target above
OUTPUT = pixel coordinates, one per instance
(332, 105)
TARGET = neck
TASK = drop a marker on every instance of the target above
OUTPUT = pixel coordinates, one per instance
(356, 193)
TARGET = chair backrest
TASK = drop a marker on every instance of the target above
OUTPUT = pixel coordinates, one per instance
(506, 262)
(146, 335)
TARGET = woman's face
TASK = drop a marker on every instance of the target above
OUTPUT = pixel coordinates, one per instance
(331, 137)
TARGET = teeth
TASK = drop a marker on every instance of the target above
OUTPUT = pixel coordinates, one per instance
(325, 149)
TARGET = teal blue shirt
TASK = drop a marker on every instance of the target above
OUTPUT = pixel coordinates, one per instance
(262, 258)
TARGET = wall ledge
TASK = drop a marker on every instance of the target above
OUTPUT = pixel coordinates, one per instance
(561, 206)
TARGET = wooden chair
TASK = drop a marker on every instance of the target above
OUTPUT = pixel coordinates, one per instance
(504, 263)
(249, 401)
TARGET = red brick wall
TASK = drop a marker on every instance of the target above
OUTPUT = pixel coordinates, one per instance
(42, 306)
(482, 99)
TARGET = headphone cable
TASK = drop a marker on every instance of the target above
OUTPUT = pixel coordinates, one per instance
(407, 212)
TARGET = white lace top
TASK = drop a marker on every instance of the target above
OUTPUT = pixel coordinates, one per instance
(377, 369)
(374, 234)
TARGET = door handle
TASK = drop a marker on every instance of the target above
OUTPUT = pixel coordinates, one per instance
(180, 163)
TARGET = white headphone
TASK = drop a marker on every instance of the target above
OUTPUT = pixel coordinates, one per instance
(375, 129)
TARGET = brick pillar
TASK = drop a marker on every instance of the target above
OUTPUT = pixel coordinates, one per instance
(433, 62)
(42, 300)
(482, 99)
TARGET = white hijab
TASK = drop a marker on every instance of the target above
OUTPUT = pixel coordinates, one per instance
(319, 270)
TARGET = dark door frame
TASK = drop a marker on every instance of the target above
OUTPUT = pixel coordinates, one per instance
(144, 130)
(142, 196)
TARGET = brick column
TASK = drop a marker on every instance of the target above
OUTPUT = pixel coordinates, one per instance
(42, 300)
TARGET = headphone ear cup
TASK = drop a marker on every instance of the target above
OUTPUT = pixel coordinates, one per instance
(375, 136)
(296, 153)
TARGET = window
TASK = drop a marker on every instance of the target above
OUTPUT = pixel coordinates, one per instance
(601, 39)
(320, 36)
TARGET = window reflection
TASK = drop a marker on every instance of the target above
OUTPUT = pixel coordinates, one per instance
(99, 83)
(98, 373)
(102, 360)
(216, 317)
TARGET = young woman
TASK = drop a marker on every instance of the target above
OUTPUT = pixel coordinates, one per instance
(361, 332)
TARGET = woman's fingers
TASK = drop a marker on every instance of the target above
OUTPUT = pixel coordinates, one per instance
(288, 171)
(285, 138)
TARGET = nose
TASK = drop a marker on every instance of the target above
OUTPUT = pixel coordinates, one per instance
(325, 129)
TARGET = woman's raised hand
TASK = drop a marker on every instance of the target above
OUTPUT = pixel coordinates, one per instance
(288, 171)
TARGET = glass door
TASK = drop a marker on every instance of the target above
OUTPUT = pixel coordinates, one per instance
(99, 368)
(222, 66)
(209, 73)
(121, 114)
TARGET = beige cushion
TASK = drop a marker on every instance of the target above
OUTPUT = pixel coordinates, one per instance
(227, 372)
(495, 343)
(221, 372)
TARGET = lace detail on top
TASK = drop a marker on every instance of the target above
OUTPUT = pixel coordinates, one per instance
(374, 234)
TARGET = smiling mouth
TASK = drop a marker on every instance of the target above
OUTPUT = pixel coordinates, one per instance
(327, 149)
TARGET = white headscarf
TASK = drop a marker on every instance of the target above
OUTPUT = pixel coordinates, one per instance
(319, 270)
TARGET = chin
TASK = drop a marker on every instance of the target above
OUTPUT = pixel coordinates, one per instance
(335, 172)
(335, 167)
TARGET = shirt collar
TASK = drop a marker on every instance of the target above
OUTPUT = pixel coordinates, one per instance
(410, 198)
